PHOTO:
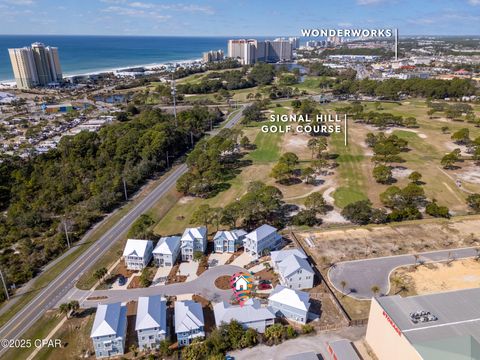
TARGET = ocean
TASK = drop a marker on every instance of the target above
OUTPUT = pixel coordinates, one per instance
(86, 54)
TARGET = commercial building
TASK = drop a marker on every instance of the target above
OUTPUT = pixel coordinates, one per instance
(250, 315)
(440, 326)
(151, 321)
(250, 51)
(213, 55)
(342, 350)
(38, 65)
(109, 330)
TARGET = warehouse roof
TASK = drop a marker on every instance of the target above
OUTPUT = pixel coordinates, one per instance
(454, 317)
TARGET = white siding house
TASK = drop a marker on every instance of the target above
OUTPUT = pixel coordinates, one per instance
(189, 323)
(137, 253)
(193, 239)
(262, 238)
(250, 315)
(278, 256)
(151, 321)
(109, 330)
(289, 303)
(228, 241)
(294, 271)
(166, 251)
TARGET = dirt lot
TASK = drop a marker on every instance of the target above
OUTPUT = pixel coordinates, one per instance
(223, 282)
(460, 274)
(332, 246)
(343, 244)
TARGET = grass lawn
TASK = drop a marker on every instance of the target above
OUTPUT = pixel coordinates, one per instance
(75, 336)
(350, 177)
(39, 330)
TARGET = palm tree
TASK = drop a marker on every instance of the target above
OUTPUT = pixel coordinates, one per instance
(74, 306)
(375, 290)
(343, 284)
(395, 282)
(64, 309)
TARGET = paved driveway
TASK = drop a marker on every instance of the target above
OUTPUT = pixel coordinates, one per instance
(361, 275)
(316, 343)
(203, 285)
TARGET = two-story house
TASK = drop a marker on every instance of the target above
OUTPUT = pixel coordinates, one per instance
(189, 322)
(151, 321)
(278, 256)
(137, 253)
(193, 239)
(263, 238)
(166, 251)
(251, 315)
(289, 303)
(295, 272)
(228, 241)
(109, 330)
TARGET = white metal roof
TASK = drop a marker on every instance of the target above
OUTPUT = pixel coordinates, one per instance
(194, 233)
(188, 316)
(109, 320)
(136, 247)
(167, 245)
(277, 256)
(292, 264)
(151, 313)
(294, 298)
(230, 235)
(261, 232)
(251, 311)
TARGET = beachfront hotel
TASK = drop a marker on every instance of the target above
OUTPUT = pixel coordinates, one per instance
(38, 65)
(250, 51)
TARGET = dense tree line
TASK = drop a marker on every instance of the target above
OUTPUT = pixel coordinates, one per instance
(392, 89)
(211, 164)
(85, 177)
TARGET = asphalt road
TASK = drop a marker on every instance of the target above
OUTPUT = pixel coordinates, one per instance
(361, 275)
(203, 285)
(64, 282)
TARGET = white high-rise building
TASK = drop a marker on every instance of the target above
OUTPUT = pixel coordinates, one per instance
(37, 65)
(251, 51)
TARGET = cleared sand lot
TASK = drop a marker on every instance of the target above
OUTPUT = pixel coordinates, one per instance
(460, 274)
(331, 246)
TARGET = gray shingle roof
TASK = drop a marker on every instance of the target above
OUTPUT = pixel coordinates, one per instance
(292, 264)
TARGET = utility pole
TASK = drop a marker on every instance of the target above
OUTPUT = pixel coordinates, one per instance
(174, 94)
(4, 285)
(125, 188)
(66, 232)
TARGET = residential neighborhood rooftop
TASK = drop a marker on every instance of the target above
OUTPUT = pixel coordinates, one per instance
(188, 316)
(261, 232)
(151, 313)
(136, 247)
(251, 311)
(167, 245)
(280, 255)
(109, 320)
(295, 298)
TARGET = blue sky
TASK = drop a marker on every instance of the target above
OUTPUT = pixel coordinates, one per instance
(236, 17)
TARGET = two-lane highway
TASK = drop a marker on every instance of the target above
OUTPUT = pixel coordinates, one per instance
(62, 284)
